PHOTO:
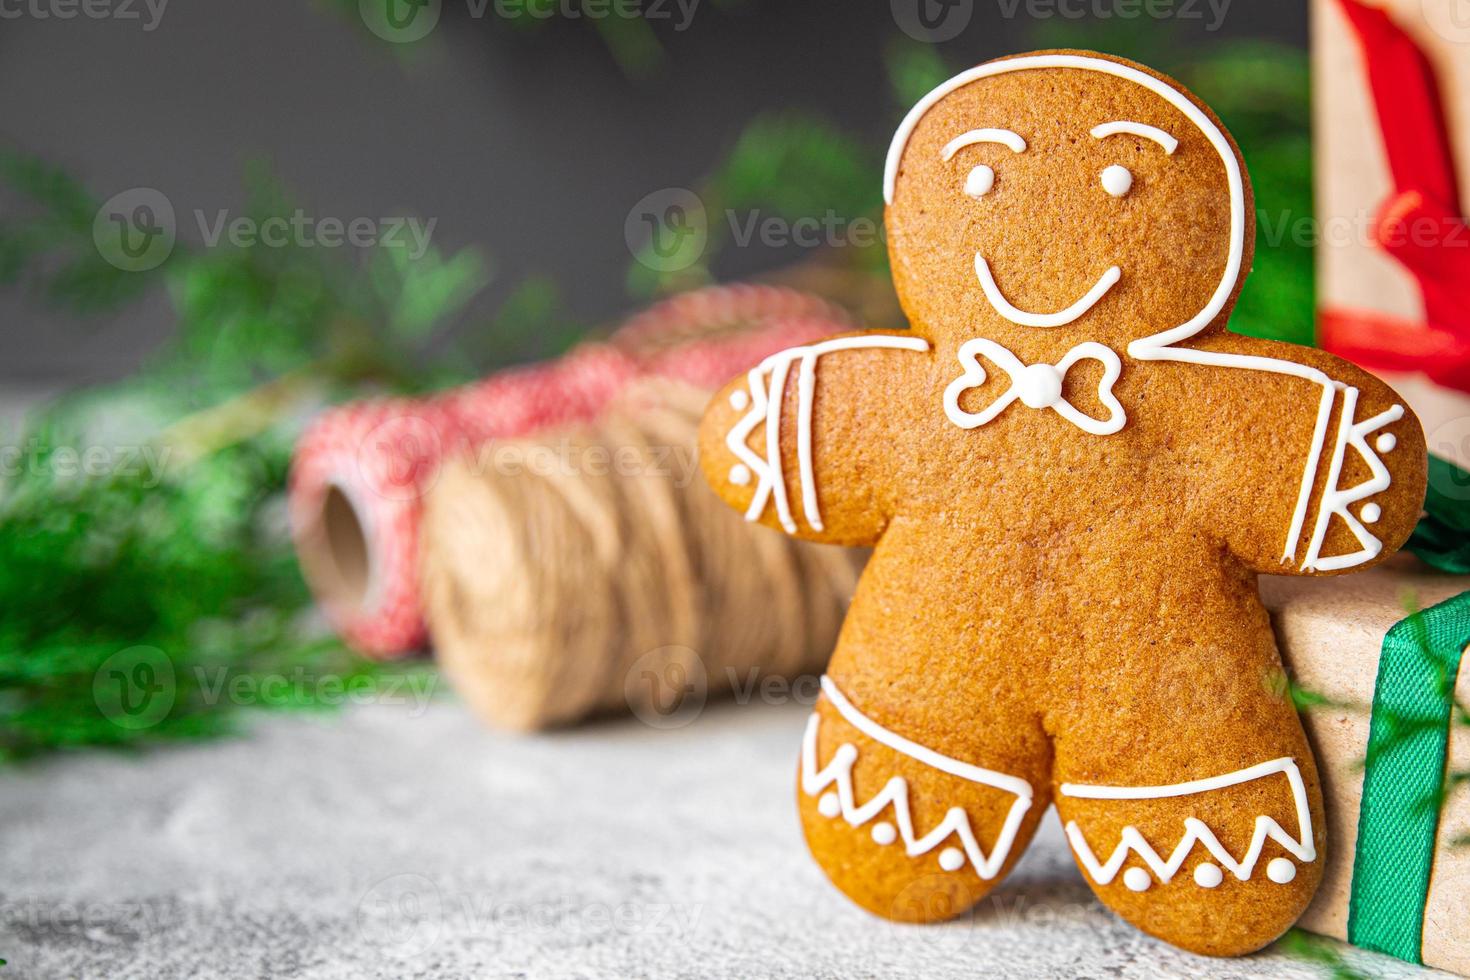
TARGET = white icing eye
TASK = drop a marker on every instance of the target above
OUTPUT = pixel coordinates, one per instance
(980, 181)
(1117, 180)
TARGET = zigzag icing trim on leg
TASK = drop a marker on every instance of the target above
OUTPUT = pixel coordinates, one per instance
(895, 793)
(1196, 831)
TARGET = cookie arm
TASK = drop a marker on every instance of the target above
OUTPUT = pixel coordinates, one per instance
(1349, 452)
(800, 442)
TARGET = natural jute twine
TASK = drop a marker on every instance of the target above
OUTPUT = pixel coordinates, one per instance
(590, 570)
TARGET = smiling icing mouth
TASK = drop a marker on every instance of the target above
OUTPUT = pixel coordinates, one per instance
(1059, 319)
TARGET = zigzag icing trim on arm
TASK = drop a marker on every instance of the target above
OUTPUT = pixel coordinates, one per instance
(1196, 831)
(1335, 500)
(767, 383)
(895, 793)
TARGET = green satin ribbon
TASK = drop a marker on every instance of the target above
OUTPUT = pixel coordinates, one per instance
(1404, 780)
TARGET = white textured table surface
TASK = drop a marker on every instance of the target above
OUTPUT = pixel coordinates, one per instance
(385, 842)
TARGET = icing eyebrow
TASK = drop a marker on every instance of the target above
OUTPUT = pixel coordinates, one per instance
(1169, 143)
(1002, 136)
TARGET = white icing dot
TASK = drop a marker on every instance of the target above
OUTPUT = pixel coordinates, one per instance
(1039, 385)
(1117, 180)
(1386, 442)
(1137, 880)
(1280, 870)
(980, 181)
(1208, 875)
(883, 833)
(1371, 513)
(740, 474)
(829, 805)
(951, 859)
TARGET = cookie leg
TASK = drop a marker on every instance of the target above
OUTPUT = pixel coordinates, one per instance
(1212, 843)
(905, 831)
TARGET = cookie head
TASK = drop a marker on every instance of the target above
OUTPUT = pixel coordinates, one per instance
(1070, 192)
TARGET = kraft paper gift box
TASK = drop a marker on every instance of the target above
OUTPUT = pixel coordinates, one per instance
(1391, 107)
(1331, 633)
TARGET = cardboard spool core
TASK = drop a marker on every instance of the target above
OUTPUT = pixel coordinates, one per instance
(340, 562)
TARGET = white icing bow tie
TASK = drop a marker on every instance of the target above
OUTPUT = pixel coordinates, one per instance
(1035, 385)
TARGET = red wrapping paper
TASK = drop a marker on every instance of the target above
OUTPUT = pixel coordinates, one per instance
(1419, 222)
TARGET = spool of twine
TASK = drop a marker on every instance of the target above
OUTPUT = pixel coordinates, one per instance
(360, 470)
(591, 570)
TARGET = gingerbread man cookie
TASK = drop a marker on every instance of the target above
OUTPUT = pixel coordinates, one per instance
(1072, 474)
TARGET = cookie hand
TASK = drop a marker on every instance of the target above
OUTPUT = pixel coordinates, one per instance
(775, 443)
(1349, 460)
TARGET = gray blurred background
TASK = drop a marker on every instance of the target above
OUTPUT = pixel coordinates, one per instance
(532, 144)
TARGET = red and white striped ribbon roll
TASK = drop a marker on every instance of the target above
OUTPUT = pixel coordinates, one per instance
(361, 470)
